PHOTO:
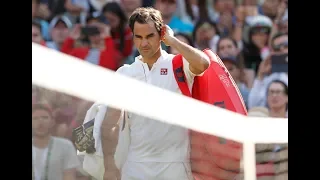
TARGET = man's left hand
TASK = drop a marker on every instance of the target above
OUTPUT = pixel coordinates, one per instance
(167, 35)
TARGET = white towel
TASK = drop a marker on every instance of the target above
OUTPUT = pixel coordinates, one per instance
(93, 163)
(122, 149)
(97, 111)
(97, 128)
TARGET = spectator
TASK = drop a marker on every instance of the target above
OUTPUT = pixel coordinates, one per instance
(228, 46)
(258, 112)
(91, 20)
(38, 95)
(271, 159)
(243, 15)
(195, 10)
(206, 35)
(168, 9)
(98, 5)
(120, 31)
(182, 37)
(283, 25)
(280, 23)
(53, 8)
(43, 11)
(223, 6)
(225, 23)
(59, 30)
(224, 15)
(36, 33)
(269, 8)
(130, 5)
(227, 50)
(277, 96)
(279, 43)
(76, 8)
(101, 50)
(44, 24)
(257, 96)
(59, 152)
(63, 109)
(237, 72)
(256, 48)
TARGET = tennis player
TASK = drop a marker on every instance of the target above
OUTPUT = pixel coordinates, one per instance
(157, 151)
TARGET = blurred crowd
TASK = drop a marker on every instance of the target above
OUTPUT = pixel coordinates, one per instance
(250, 37)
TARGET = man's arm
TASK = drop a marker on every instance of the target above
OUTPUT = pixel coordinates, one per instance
(109, 136)
(69, 174)
(198, 60)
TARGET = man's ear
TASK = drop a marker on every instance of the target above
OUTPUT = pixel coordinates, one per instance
(162, 31)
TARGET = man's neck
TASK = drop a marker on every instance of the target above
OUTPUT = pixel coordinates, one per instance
(153, 59)
(41, 142)
(278, 113)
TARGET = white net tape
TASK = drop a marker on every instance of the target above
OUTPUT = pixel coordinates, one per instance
(60, 72)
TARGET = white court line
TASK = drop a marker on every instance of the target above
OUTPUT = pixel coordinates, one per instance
(54, 70)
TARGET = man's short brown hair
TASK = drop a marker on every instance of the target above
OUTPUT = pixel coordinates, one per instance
(143, 15)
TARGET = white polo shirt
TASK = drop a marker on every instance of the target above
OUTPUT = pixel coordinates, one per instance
(155, 141)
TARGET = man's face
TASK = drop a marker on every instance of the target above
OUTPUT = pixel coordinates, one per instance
(146, 39)
(131, 5)
(60, 32)
(166, 7)
(36, 34)
(42, 122)
(280, 44)
(276, 96)
(227, 48)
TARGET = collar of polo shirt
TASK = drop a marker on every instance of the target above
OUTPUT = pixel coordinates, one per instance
(163, 56)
